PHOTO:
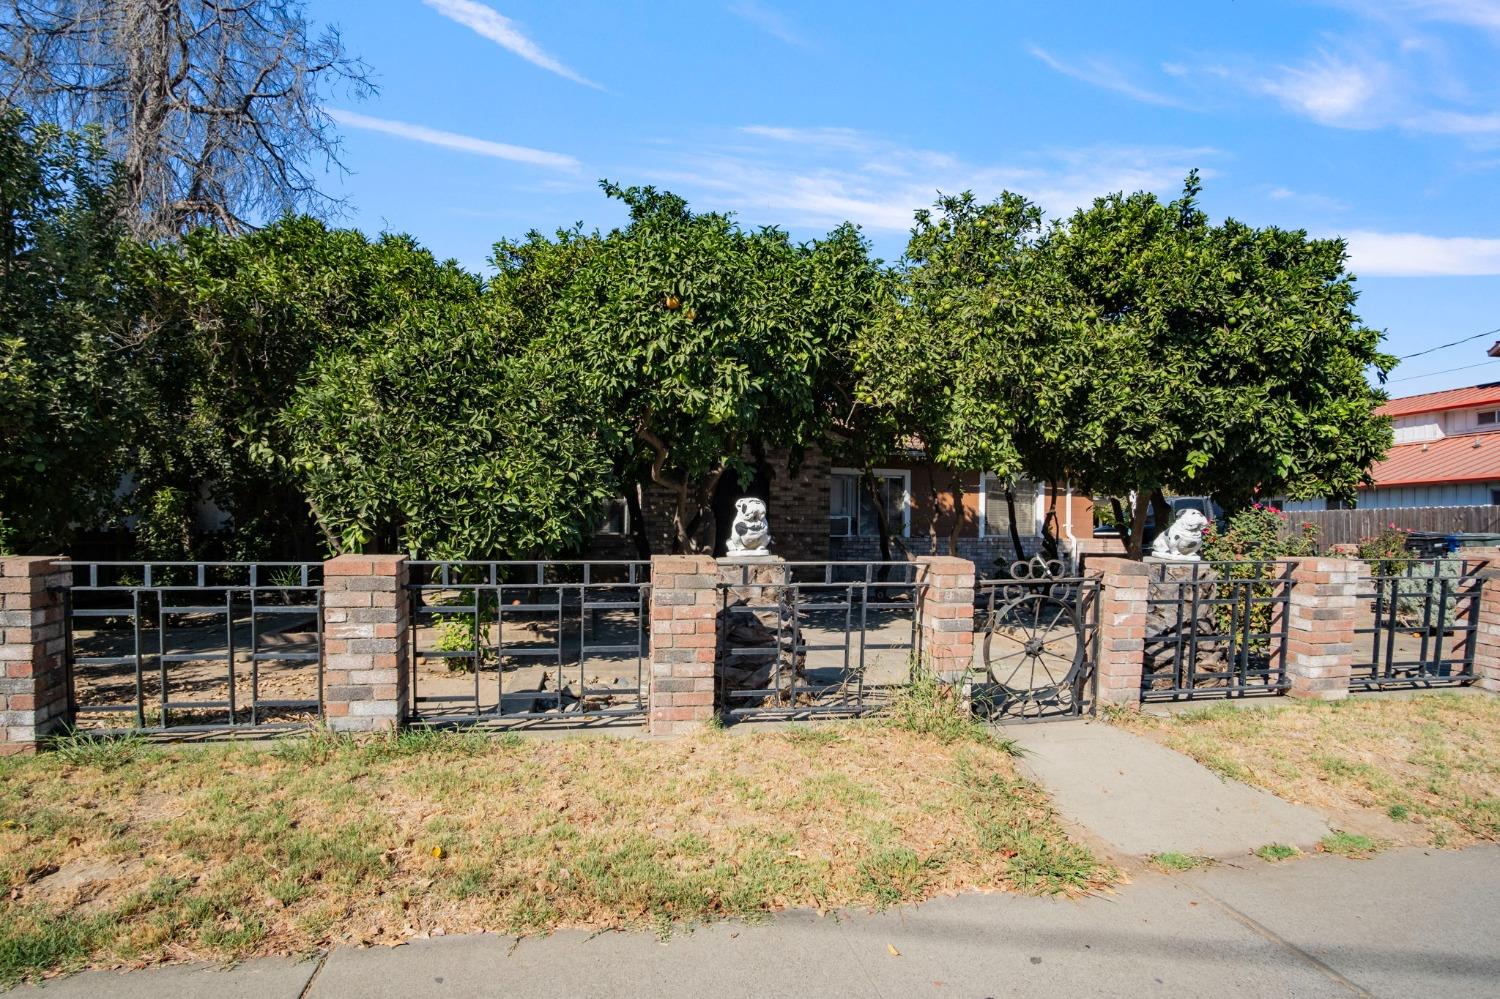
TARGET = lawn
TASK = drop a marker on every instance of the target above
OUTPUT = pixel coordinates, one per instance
(127, 854)
(1423, 771)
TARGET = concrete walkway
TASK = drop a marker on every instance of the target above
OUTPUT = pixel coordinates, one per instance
(1140, 798)
(1407, 923)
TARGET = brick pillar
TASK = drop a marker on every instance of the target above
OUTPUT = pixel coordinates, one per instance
(1320, 627)
(945, 616)
(366, 614)
(1124, 588)
(34, 691)
(684, 636)
(1487, 635)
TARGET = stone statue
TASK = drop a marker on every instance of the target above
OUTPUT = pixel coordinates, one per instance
(749, 535)
(1182, 541)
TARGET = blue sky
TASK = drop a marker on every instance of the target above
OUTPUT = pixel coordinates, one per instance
(1375, 120)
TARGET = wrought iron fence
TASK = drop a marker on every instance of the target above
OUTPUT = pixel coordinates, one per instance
(809, 639)
(1216, 629)
(1039, 629)
(538, 642)
(1416, 623)
(195, 646)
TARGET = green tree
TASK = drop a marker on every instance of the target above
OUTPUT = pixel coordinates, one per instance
(438, 433)
(1223, 360)
(969, 356)
(65, 390)
(698, 338)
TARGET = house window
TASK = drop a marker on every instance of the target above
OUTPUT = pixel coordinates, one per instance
(851, 511)
(1495, 497)
(1487, 418)
(616, 517)
(994, 512)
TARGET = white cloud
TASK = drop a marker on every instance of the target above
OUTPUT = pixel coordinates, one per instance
(1102, 73)
(1410, 254)
(504, 32)
(772, 22)
(1471, 13)
(453, 140)
(818, 177)
(1330, 89)
(1454, 123)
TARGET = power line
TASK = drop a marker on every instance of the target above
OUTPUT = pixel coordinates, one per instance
(1455, 343)
(1447, 371)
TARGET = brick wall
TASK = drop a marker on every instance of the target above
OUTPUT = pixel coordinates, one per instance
(684, 639)
(33, 692)
(1124, 591)
(1320, 623)
(945, 615)
(366, 614)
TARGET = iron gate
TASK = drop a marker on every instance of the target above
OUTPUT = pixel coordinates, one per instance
(1036, 655)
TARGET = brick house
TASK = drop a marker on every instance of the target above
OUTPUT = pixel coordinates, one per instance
(822, 512)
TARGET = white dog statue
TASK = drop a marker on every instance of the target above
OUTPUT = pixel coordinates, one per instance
(1182, 541)
(749, 535)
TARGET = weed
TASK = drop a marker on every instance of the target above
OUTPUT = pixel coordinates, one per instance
(927, 706)
(1399, 812)
(1178, 861)
(101, 752)
(1277, 851)
(1347, 844)
(33, 941)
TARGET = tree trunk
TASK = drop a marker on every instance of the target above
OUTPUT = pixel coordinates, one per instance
(880, 515)
(1162, 510)
(637, 517)
(1137, 544)
(933, 497)
(1121, 523)
(956, 490)
(1015, 532)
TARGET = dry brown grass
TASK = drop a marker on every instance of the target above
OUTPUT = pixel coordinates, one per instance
(1424, 770)
(139, 854)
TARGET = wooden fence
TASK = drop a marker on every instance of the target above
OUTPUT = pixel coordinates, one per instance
(1348, 527)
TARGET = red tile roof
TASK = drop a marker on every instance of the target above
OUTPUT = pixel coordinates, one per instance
(1462, 458)
(1432, 402)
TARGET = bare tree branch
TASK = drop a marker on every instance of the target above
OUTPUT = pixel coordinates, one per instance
(214, 110)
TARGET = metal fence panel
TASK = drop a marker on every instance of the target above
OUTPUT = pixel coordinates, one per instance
(195, 646)
(814, 639)
(529, 642)
(1216, 629)
(1416, 624)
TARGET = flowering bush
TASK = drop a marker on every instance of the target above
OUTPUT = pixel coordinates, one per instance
(1260, 533)
(1387, 552)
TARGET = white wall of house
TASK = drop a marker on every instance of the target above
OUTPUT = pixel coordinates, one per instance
(1445, 494)
(1431, 426)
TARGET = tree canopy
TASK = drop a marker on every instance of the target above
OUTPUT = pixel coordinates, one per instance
(331, 391)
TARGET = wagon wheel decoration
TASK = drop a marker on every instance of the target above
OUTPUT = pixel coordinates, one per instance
(1034, 653)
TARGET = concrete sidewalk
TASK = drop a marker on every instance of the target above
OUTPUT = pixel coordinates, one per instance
(1140, 798)
(1405, 923)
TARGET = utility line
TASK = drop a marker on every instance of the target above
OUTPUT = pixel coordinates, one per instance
(1447, 371)
(1455, 343)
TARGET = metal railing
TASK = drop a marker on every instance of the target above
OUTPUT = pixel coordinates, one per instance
(195, 646)
(538, 642)
(810, 639)
(1038, 635)
(1416, 623)
(1216, 629)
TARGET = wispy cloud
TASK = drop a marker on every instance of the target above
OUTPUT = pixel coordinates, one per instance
(1104, 73)
(1470, 13)
(454, 140)
(772, 22)
(817, 177)
(501, 30)
(1410, 254)
(1304, 199)
(1329, 89)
